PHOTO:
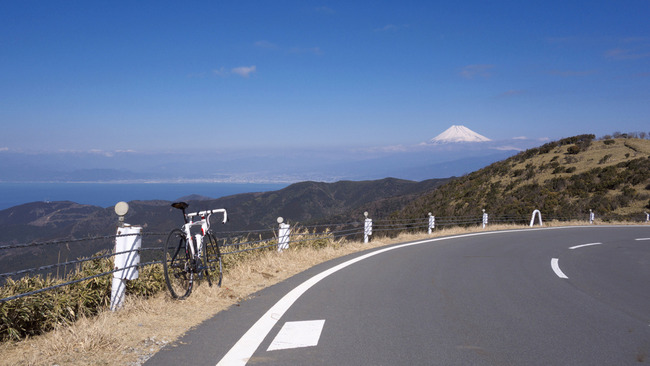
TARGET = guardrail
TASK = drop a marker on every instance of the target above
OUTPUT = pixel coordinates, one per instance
(234, 242)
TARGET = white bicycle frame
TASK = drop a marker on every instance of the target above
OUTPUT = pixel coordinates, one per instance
(204, 222)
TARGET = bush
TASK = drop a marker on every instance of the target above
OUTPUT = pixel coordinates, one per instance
(558, 170)
(605, 158)
(573, 150)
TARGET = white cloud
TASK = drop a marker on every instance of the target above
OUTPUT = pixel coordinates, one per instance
(244, 71)
(572, 73)
(265, 44)
(388, 27)
(508, 148)
(473, 71)
(512, 92)
(391, 28)
(220, 71)
(4, 149)
(626, 54)
(107, 154)
(520, 138)
(312, 50)
(325, 10)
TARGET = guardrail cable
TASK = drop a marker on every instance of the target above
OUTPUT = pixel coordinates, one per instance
(233, 242)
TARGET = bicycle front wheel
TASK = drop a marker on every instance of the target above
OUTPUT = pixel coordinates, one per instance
(212, 259)
(177, 265)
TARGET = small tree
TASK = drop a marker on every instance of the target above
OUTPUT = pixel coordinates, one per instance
(573, 150)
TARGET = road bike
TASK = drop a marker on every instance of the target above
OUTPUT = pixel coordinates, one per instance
(188, 257)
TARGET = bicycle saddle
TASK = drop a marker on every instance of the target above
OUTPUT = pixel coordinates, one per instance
(180, 205)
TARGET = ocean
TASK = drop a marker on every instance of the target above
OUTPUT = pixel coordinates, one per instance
(108, 194)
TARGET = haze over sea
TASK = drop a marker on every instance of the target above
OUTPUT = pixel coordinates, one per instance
(108, 194)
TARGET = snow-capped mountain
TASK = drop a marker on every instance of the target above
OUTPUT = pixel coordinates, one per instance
(458, 134)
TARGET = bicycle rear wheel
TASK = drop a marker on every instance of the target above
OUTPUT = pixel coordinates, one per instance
(212, 259)
(177, 265)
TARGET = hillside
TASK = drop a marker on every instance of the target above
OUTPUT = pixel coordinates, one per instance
(304, 203)
(563, 179)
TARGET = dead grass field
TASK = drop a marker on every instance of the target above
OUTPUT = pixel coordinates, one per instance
(130, 336)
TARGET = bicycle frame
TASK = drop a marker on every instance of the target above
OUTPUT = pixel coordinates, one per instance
(196, 241)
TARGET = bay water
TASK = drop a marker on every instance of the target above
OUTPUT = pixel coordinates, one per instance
(108, 194)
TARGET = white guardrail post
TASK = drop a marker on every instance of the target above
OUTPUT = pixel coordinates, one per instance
(485, 219)
(647, 217)
(367, 228)
(128, 243)
(591, 216)
(432, 222)
(532, 219)
(284, 231)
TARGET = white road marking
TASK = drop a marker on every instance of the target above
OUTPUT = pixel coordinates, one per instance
(642, 239)
(298, 334)
(584, 245)
(243, 350)
(556, 268)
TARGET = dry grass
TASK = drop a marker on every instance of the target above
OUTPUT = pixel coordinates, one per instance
(142, 327)
(620, 151)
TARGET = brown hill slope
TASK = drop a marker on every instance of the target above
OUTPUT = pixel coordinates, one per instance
(563, 179)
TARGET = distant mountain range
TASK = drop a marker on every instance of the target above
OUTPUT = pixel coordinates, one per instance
(455, 152)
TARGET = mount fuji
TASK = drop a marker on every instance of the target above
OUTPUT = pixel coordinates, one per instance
(458, 134)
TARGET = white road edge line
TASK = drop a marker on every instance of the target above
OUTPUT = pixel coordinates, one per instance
(584, 245)
(556, 268)
(639, 239)
(244, 349)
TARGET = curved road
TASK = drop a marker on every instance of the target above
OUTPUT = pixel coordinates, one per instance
(570, 296)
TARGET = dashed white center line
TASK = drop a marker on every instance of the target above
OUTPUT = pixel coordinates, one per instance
(556, 268)
(584, 245)
(298, 334)
(639, 239)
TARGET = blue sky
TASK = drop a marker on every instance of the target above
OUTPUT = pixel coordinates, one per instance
(154, 76)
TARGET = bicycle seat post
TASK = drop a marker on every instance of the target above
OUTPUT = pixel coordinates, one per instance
(181, 206)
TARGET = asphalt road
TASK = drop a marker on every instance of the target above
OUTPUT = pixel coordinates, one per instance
(557, 296)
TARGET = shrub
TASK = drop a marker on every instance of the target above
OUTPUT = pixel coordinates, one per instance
(558, 170)
(573, 150)
(605, 158)
(570, 159)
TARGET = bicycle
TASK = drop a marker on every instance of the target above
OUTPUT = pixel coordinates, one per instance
(187, 257)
